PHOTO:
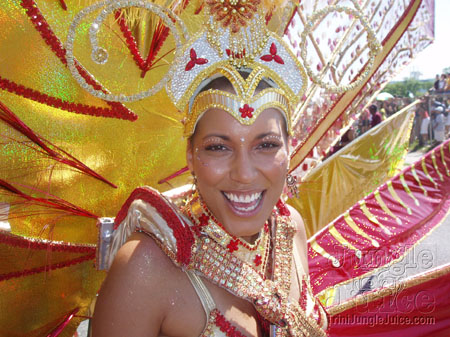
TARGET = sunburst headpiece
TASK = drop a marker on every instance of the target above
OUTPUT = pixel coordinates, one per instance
(235, 35)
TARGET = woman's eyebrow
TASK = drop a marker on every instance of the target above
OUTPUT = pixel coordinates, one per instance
(263, 135)
(224, 137)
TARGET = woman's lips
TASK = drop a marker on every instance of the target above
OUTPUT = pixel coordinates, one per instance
(244, 204)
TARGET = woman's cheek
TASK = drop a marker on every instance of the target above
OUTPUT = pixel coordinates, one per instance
(282, 158)
(213, 166)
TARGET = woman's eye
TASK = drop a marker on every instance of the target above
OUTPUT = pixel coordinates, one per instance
(215, 147)
(269, 145)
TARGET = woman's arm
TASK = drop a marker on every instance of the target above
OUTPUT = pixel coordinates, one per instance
(131, 301)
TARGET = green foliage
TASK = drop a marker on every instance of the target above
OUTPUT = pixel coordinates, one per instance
(446, 70)
(403, 88)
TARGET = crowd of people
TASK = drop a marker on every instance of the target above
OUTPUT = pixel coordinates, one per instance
(432, 124)
(441, 83)
(377, 112)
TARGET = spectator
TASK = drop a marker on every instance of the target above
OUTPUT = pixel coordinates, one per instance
(376, 117)
(390, 109)
(383, 112)
(442, 83)
(424, 127)
(436, 83)
(364, 122)
(439, 124)
(447, 87)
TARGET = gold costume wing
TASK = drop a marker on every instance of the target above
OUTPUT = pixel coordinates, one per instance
(69, 157)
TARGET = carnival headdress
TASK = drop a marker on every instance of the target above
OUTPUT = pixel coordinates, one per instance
(235, 35)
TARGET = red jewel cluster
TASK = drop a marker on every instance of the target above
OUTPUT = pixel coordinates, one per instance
(246, 111)
(257, 260)
(273, 55)
(203, 222)
(41, 25)
(37, 270)
(194, 60)
(226, 327)
(203, 219)
(182, 233)
(233, 245)
(282, 208)
(234, 15)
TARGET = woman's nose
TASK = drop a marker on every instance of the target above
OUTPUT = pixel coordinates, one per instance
(243, 168)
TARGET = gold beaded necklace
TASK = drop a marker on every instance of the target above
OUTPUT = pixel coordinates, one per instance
(205, 224)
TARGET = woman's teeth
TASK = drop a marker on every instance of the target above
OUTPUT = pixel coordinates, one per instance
(246, 209)
(243, 198)
(244, 202)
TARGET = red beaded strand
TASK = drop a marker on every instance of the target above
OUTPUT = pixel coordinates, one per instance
(37, 270)
(225, 326)
(41, 25)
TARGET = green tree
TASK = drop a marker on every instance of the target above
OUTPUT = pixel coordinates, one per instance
(410, 85)
(446, 70)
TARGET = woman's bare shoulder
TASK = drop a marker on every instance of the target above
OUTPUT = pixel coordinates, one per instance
(298, 221)
(131, 301)
(300, 236)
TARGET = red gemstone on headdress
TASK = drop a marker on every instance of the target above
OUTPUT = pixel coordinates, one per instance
(278, 59)
(234, 55)
(273, 55)
(194, 60)
(273, 49)
(267, 58)
(246, 111)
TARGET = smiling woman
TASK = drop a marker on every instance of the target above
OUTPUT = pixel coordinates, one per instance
(225, 257)
(240, 169)
(247, 265)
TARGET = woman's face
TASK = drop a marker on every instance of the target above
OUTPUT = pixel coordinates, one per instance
(240, 169)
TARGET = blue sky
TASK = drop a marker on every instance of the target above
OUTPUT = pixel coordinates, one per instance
(435, 57)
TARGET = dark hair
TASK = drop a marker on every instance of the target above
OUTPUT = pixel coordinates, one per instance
(224, 83)
(373, 108)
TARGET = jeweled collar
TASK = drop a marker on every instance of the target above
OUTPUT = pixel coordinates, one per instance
(269, 295)
(205, 224)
